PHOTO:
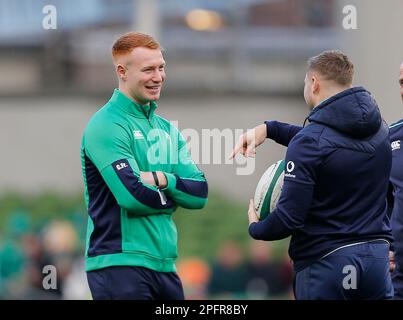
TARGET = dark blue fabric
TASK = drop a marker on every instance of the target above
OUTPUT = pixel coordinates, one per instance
(281, 132)
(396, 179)
(353, 112)
(192, 187)
(275, 228)
(104, 212)
(134, 283)
(142, 194)
(335, 186)
(359, 272)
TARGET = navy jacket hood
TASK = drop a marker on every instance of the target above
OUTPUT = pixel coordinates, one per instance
(353, 111)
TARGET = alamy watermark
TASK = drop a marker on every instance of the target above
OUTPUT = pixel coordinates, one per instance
(350, 19)
(49, 21)
(350, 280)
(49, 281)
(210, 146)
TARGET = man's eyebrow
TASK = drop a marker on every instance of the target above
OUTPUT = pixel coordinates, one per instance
(153, 67)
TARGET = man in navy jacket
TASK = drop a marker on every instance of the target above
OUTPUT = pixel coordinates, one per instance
(333, 201)
(396, 179)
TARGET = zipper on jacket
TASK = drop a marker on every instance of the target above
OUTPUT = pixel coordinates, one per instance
(148, 118)
(163, 198)
(161, 193)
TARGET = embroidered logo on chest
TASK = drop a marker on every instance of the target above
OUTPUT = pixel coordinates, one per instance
(137, 134)
(395, 145)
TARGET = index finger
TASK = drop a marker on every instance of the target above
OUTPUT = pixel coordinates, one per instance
(236, 149)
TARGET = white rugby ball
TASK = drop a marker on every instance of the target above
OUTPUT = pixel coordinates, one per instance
(268, 189)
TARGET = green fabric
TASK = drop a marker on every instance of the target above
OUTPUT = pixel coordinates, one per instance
(131, 259)
(11, 260)
(267, 201)
(123, 129)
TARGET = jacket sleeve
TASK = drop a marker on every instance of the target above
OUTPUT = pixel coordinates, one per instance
(280, 132)
(303, 160)
(107, 146)
(187, 185)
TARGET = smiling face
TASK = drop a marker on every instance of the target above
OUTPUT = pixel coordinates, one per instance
(142, 72)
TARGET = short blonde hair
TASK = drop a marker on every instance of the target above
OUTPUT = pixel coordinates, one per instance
(333, 65)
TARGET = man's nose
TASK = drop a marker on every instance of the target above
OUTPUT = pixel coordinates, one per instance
(158, 76)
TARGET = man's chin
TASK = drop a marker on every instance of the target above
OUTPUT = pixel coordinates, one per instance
(154, 97)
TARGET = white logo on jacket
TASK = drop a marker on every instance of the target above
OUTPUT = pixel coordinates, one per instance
(137, 134)
(121, 166)
(395, 145)
(290, 168)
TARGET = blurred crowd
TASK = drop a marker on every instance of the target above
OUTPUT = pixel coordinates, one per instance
(27, 251)
(256, 275)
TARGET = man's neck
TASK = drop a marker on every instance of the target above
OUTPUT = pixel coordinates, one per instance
(330, 92)
(126, 92)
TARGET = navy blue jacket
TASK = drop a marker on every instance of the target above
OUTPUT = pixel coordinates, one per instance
(396, 179)
(336, 179)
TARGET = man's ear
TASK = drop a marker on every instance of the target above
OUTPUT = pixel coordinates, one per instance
(121, 72)
(315, 84)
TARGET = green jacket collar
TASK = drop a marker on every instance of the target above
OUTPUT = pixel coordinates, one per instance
(126, 104)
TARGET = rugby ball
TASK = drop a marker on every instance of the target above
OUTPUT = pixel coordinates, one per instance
(268, 189)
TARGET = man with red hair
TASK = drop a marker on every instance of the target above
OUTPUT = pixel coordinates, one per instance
(137, 171)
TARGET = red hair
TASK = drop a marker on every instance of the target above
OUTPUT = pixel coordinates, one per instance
(127, 42)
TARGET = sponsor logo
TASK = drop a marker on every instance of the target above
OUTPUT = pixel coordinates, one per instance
(395, 145)
(121, 166)
(137, 134)
(290, 168)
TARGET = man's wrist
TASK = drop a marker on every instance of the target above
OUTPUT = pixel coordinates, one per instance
(266, 123)
(162, 180)
(156, 180)
(261, 133)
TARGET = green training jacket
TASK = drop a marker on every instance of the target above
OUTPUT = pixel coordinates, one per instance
(130, 223)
